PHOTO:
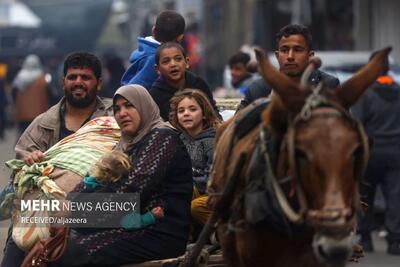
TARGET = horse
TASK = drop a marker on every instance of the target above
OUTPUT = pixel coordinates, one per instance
(292, 177)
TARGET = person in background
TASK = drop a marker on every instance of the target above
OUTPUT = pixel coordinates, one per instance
(169, 27)
(53, 69)
(192, 113)
(3, 99)
(115, 69)
(172, 64)
(191, 42)
(29, 89)
(294, 49)
(378, 111)
(240, 76)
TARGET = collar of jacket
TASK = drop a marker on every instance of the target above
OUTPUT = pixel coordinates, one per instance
(315, 77)
(51, 118)
(162, 84)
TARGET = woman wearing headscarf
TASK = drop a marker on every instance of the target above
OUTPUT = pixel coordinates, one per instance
(162, 174)
(30, 92)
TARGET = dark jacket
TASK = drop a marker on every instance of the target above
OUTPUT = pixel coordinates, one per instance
(162, 92)
(259, 88)
(200, 149)
(378, 110)
(141, 70)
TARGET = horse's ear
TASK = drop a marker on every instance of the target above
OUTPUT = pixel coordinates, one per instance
(290, 93)
(351, 90)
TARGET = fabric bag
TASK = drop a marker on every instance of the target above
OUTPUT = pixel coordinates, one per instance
(48, 250)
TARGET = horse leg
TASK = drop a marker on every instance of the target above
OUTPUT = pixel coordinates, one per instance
(257, 248)
(227, 241)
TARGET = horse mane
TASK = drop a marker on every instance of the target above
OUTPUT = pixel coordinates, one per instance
(221, 129)
(275, 117)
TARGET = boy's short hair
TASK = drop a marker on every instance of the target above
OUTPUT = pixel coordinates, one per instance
(168, 45)
(169, 25)
(83, 60)
(238, 58)
(292, 29)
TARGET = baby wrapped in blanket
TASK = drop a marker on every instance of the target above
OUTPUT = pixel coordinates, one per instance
(63, 167)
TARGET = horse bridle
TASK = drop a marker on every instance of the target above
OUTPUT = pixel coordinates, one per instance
(313, 102)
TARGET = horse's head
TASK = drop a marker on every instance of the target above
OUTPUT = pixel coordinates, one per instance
(323, 148)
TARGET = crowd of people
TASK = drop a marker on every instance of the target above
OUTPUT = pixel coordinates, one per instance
(168, 120)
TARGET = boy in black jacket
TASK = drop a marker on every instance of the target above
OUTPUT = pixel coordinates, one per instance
(171, 65)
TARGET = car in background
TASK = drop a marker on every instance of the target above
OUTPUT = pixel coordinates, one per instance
(227, 107)
(343, 64)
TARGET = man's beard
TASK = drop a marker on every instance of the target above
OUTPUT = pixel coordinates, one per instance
(293, 74)
(84, 102)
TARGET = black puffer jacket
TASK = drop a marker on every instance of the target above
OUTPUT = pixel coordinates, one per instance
(162, 92)
(378, 110)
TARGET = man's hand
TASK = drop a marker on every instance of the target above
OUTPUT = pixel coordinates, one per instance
(33, 157)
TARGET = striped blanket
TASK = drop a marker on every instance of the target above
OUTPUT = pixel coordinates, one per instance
(75, 153)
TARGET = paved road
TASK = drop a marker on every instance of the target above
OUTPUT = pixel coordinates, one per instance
(6, 153)
(379, 258)
(376, 259)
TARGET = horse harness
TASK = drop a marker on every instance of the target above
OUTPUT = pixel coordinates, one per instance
(312, 108)
(265, 201)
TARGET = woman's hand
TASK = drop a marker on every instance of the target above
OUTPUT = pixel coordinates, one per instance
(157, 212)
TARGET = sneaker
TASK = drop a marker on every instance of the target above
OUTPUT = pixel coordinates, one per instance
(366, 242)
(394, 247)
